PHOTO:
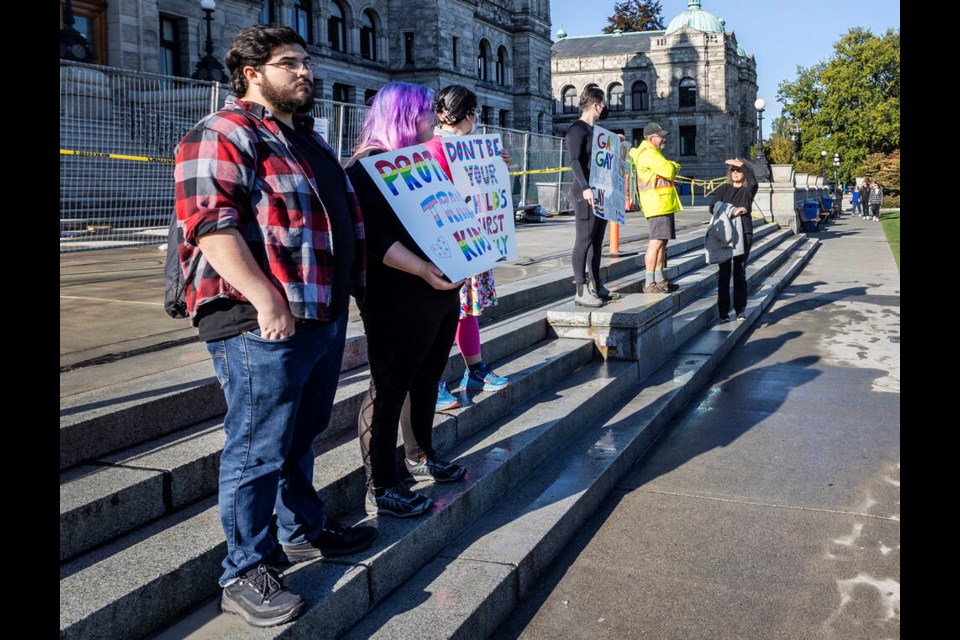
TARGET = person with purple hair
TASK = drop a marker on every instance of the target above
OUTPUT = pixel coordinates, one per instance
(409, 314)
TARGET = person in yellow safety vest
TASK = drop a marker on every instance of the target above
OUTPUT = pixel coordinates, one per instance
(658, 200)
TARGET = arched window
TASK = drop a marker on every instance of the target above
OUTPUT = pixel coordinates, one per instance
(615, 97)
(268, 12)
(688, 92)
(368, 35)
(501, 66)
(337, 28)
(571, 103)
(483, 56)
(300, 19)
(640, 96)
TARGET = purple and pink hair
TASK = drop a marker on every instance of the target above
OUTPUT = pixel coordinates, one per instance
(395, 117)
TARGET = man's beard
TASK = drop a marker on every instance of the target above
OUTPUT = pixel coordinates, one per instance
(287, 100)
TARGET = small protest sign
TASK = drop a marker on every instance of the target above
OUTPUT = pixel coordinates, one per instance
(608, 157)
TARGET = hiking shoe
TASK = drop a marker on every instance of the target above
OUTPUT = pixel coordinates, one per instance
(333, 540)
(483, 379)
(260, 598)
(653, 287)
(445, 399)
(398, 502)
(666, 287)
(602, 292)
(436, 470)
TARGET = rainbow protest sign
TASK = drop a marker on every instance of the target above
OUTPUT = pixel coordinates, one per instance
(482, 178)
(608, 175)
(432, 211)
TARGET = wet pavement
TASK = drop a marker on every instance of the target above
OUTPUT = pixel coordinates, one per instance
(771, 509)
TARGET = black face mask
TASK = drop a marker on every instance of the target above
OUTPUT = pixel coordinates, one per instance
(604, 113)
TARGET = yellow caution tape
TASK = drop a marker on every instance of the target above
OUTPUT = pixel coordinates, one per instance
(112, 156)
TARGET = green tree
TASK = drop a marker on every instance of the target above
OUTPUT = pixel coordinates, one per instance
(849, 104)
(635, 15)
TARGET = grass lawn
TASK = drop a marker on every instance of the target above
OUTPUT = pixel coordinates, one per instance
(891, 226)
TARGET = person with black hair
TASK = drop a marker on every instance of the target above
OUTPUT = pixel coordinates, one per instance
(739, 192)
(589, 228)
(456, 108)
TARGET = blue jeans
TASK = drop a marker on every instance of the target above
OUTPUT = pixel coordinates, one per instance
(279, 398)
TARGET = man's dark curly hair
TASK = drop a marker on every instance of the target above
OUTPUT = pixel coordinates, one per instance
(252, 48)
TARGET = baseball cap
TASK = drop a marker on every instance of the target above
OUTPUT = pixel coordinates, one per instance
(654, 129)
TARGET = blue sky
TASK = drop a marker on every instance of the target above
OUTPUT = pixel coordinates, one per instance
(781, 34)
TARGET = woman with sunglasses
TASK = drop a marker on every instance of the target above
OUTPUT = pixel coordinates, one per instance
(738, 191)
(456, 108)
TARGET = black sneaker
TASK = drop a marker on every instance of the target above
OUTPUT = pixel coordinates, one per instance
(398, 502)
(333, 540)
(436, 470)
(260, 598)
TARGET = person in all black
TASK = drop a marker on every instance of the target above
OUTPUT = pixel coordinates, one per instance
(410, 315)
(739, 191)
(588, 245)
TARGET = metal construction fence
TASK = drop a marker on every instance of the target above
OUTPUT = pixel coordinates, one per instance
(118, 130)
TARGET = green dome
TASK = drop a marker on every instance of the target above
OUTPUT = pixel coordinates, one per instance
(741, 51)
(561, 34)
(696, 18)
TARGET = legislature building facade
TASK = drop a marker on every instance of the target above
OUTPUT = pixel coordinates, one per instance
(500, 48)
(693, 78)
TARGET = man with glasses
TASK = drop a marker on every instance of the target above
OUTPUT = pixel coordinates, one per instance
(659, 202)
(272, 246)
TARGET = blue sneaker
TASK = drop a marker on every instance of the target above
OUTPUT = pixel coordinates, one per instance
(445, 399)
(482, 379)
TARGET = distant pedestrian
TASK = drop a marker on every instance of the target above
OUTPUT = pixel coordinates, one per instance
(855, 203)
(876, 199)
(865, 199)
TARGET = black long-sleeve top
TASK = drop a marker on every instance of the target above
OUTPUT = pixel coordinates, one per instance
(739, 196)
(579, 139)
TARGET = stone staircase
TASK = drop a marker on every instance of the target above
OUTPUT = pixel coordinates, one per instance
(140, 538)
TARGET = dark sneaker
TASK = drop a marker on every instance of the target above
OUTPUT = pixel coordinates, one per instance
(445, 399)
(333, 540)
(260, 598)
(436, 470)
(602, 292)
(724, 318)
(398, 502)
(483, 379)
(741, 317)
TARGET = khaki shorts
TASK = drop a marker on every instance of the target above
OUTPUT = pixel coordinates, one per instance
(663, 227)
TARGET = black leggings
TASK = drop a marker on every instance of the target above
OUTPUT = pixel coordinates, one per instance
(738, 265)
(588, 245)
(408, 344)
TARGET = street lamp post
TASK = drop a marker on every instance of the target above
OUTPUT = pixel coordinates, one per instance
(209, 68)
(836, 169)
(763, 170)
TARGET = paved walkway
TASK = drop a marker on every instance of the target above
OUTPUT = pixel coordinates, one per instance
(771, 509)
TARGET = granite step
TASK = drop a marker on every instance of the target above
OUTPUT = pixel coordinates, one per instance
(474, 583)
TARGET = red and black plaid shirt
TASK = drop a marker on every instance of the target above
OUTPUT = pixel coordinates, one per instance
(234, 169)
